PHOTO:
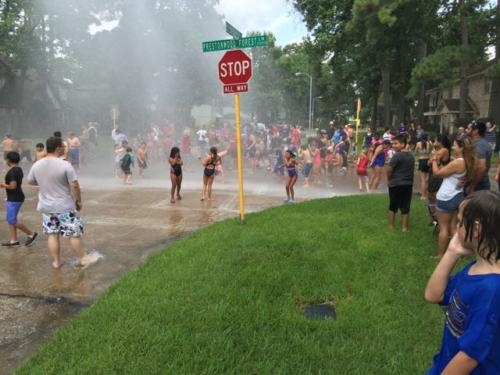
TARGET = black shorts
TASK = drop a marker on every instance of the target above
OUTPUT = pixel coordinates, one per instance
(400, 198)
(423, 165)
(209, 172)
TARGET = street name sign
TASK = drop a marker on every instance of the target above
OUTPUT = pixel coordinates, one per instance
(233, 31)
(228, 44)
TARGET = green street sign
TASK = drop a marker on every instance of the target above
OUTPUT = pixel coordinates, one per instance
(226, 44)
(233, 31)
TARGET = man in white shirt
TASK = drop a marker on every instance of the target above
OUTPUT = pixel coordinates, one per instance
(59, 201)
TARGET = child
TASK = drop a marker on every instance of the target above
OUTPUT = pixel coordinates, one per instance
(15, 199)
(125, 165)
(210, 162)
(305, 155)
(40, 152)
(291, 166)
(471, 297)
(400, 173)
(142, 158)
(175, 173)
(362, 170)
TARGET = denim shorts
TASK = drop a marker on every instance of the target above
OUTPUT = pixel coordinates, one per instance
(12, 211)
(451, 205)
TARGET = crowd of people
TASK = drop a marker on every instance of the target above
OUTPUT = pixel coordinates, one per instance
(452, 173)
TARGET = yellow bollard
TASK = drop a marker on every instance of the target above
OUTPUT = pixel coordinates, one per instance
(240, 157)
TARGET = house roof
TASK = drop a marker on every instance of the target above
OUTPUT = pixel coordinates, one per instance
(453, 105)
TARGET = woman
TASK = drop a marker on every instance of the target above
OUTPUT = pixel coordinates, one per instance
(442, 152)
(423, 150)
(451, 194)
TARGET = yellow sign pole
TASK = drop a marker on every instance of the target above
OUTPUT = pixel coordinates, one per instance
(358, 120)
(240, 158)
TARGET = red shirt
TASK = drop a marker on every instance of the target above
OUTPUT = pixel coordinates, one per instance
(363, 163)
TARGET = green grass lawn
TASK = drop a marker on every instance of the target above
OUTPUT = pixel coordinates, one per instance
(230, 298)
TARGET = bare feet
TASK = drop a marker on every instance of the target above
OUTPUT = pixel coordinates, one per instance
(89, 259)
(172, 200)
(57, 265)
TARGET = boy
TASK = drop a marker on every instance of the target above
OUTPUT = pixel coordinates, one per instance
(400, 181)
(40, 152)
(125, 165)
(15, 199)
(471, 297)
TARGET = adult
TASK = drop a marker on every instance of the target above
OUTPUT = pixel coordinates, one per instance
(118, 137)
(59, 201)
(450, 194)
(442, 153)
(481, 179)
(377, 162)
(92, 133)
(491, 135)
(423, 150)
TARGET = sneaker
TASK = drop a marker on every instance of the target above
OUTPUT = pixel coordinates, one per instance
(30, 239)
(11, 244)
(286, 200)
(291, 201)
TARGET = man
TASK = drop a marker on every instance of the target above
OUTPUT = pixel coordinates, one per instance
(59, 200)
(118, 137)
(481, 179)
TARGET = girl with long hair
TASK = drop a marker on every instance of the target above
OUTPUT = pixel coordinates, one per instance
(451, 192)
(175, 173)
(210, 163)
(423, 150)
(441, 152)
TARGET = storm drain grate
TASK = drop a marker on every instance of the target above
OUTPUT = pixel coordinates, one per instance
(320, 311)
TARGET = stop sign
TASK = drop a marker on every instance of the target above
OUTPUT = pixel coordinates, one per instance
(235, 67)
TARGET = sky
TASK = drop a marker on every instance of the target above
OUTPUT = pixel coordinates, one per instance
(276, 16)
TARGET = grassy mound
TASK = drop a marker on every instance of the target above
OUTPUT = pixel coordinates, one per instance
(230, 299)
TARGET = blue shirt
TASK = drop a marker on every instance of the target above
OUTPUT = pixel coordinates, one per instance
(472, 304)
(336, 137)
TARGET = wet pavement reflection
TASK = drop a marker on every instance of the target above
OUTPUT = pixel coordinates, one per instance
(125, 224)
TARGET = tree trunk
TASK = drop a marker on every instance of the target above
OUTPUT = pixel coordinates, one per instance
(386, 89)
(374, 122)
(463, 66)
(421, 54)
(494, 110)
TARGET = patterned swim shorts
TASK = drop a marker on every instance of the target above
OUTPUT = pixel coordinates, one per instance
(68, 224)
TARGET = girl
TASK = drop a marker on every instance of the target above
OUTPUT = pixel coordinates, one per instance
(442, 152)
(175, 173)
(423, 151)
(450, 194)
(291, 166)
(362, 170)
(471, 297)
(377, 162)
(210, 163)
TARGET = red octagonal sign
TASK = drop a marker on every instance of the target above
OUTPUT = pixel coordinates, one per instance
(235, 67)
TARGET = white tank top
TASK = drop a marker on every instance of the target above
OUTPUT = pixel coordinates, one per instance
(451, 186)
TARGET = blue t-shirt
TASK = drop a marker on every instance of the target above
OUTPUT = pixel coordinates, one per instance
(472, 304)
(336, 137)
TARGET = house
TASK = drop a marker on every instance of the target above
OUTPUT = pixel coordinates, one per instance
(442, 105)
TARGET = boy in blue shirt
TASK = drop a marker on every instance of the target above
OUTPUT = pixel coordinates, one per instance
(15, 199)
(471, 297)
